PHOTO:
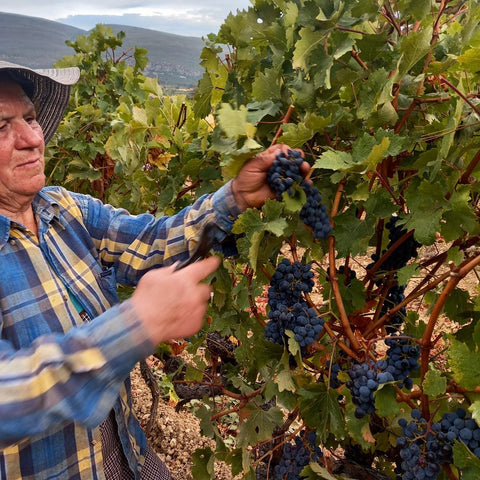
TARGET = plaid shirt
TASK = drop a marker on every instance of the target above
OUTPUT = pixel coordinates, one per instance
(58, 383)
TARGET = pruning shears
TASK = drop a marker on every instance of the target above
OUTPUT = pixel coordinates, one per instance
(204, 245)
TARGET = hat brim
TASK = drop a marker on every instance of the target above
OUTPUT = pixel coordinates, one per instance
(51, 92)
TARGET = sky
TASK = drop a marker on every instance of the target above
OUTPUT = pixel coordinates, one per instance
(195, 18)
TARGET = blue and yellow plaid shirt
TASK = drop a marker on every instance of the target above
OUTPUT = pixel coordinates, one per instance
(59, 376)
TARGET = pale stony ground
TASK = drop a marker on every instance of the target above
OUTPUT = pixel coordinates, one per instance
(175, 436)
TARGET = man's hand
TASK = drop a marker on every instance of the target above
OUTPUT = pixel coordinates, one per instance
(171, 304)
(250, 187)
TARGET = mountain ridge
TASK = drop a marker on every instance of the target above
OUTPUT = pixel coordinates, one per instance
(40, 43)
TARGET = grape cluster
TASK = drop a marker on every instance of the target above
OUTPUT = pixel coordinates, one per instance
(299, 318)
(288, 309)
(349, 274)
(362, 384)
(458, 426)
(404, 252)
(314, 213)
(398, 259)
(421, 449)
(297, 456)
(395, 295)
(289, 282)
(401, 359)
(283, 174)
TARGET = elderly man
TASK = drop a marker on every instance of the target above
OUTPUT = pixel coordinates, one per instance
(67, 344)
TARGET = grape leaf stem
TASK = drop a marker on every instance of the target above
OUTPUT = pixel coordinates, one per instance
(285, 120)
(460, 94)
(243, 400)
(447, 468)
(248, 272)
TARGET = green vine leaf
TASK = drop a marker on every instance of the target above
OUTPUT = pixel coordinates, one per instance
(435, 384)
(320, 410)
(466, 461)
(463, 361)
(259, 426)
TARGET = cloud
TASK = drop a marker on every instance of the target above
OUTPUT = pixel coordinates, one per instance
(184, 17)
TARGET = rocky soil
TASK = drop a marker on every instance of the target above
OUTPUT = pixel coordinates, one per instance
(174, 435)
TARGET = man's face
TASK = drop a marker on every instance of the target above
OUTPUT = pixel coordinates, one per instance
(21, 146)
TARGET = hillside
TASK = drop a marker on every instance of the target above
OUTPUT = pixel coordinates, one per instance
(39, 43)
(174, 59)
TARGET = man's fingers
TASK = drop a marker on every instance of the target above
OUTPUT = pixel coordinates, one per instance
(202, 268)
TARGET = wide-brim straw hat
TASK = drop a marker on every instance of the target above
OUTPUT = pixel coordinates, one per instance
(51, 92)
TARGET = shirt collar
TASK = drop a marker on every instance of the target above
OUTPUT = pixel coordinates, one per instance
(43, 206)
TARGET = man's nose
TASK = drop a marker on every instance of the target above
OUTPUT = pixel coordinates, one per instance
(28, 135)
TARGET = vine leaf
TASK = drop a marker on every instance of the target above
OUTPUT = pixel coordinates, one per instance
(234, 122)
(383, 401)
(455, 255)
(336, 160)
(296, 135)
(427, 203)
(267, 84)
(254, 224)
(374, 92)
(203, 464)
(464, 364)
(259, 110)
(475, 409)
(314, 471)
(352, 235)
(413, 47)
(285, 381)
(466, 461)
(404, 274)
(259, 425)
(434, 384)
(308, 44)
(320, 409)
(460, 218)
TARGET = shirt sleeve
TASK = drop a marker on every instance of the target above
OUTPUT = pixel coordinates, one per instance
(133, 244)
(74, 376)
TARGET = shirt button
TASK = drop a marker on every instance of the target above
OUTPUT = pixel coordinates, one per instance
(12, 242)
